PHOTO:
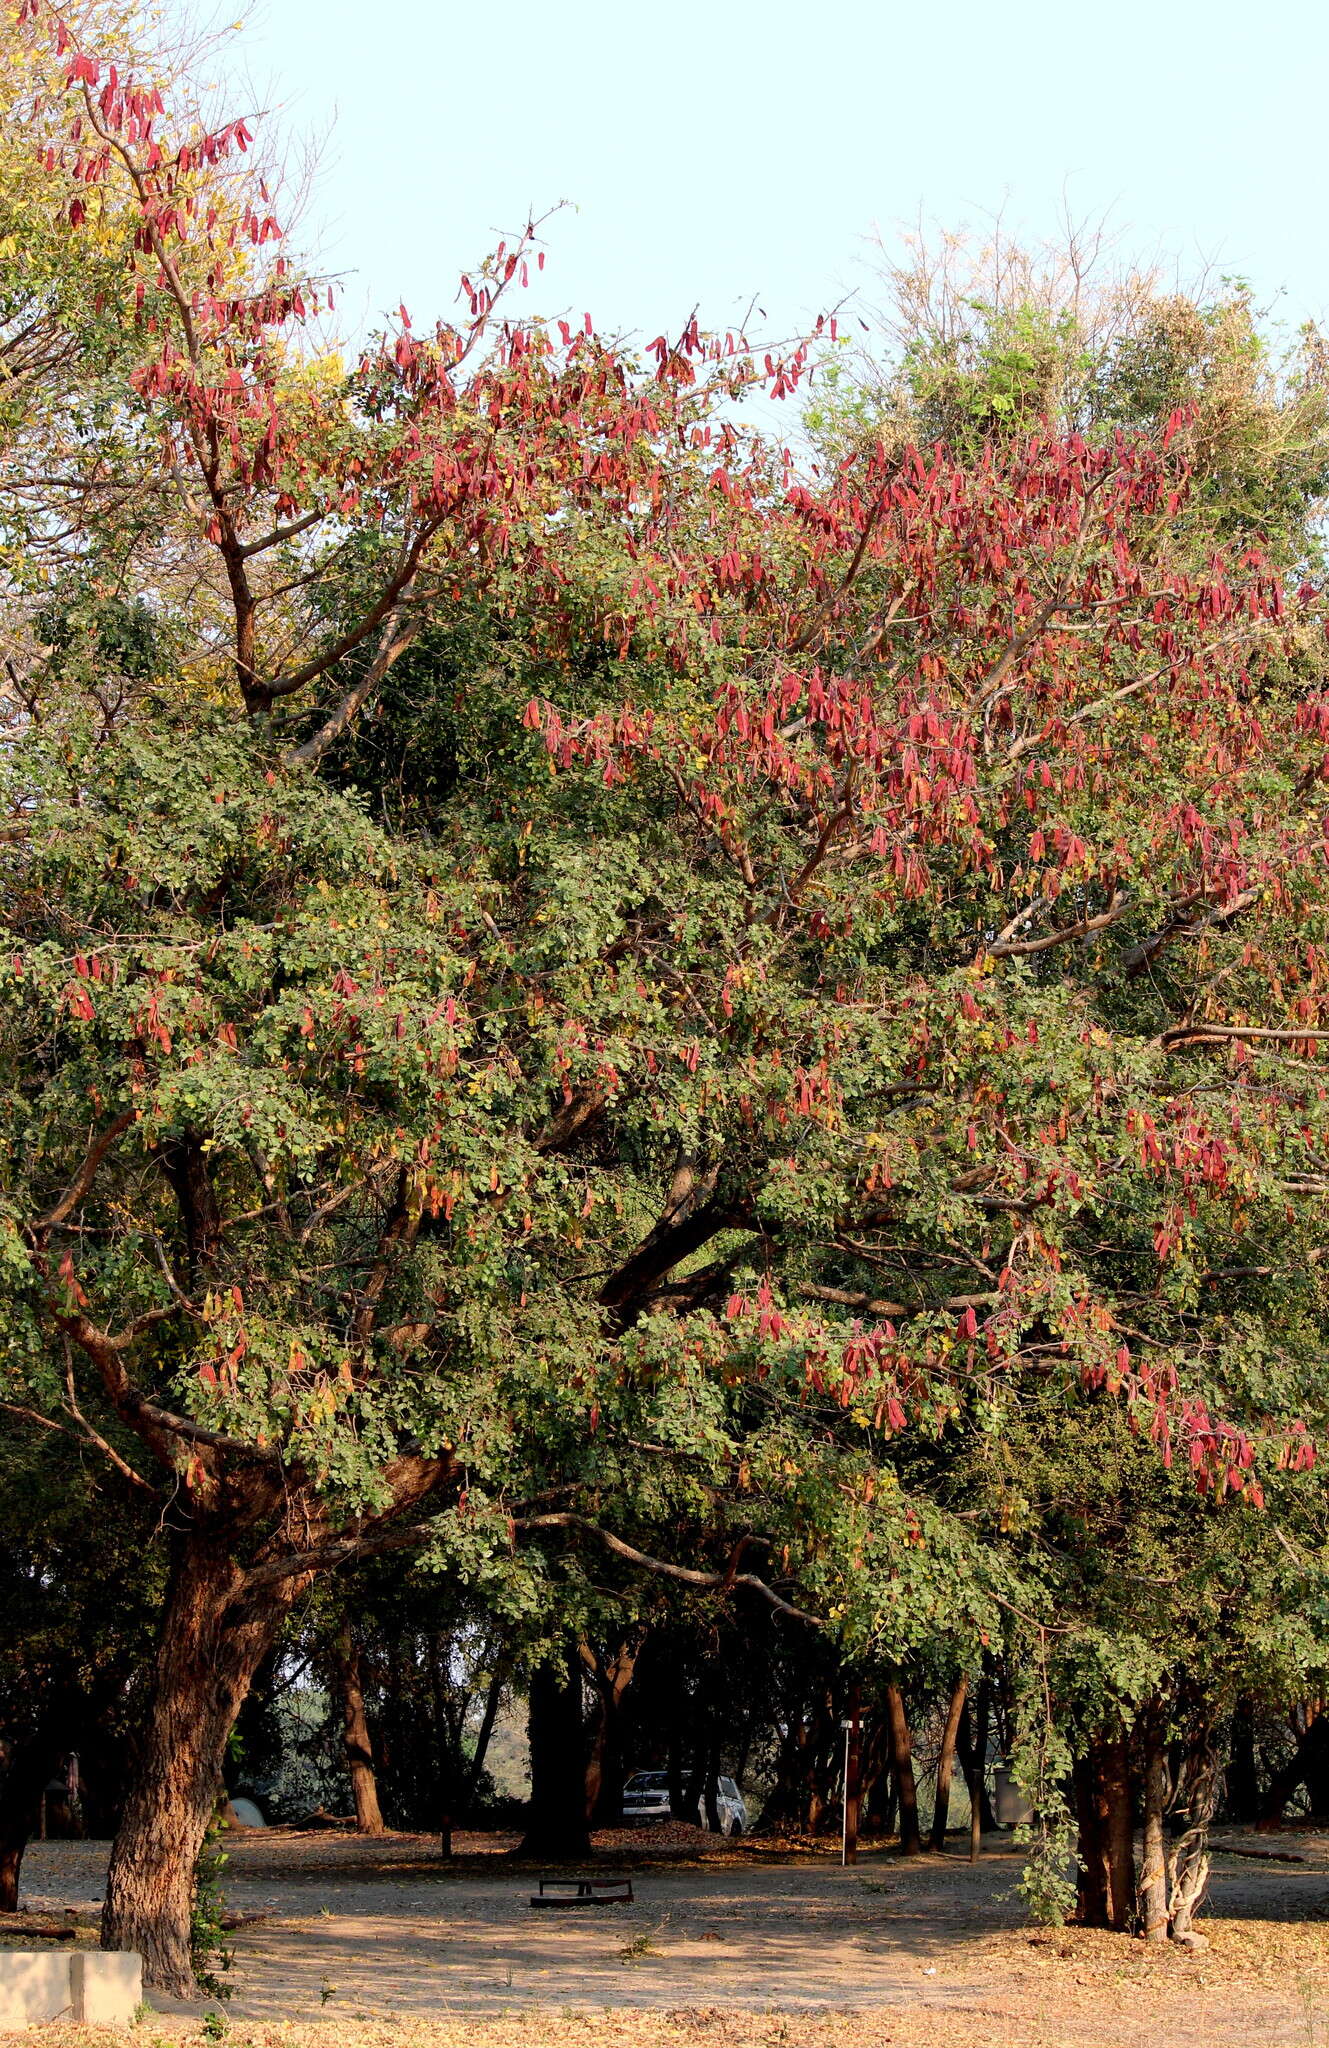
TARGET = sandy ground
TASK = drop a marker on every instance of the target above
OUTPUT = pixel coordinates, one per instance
(743, 1945)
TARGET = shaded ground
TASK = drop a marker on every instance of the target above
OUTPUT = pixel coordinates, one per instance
(743, 1944)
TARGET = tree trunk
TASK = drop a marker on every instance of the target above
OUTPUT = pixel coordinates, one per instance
(1243, 1777)
(355, 1733)
(556, 1829)
(1154, 1867)
(30, 1765)
(492, 1700)
(611, 1678)
(1120, 1834)
(777, 1815)
(973, 1752)
(884, 1803)
(596, 1775)
(1317, 1766)
(946, 1761)
(211, 1641)
(874, 1773)
(902, 1764)
(1311, 1747)
(808, 1768)
(1106, 1841)
(1199, 1780)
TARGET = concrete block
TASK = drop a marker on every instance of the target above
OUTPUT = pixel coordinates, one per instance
(107, 1986)
(34, 1987)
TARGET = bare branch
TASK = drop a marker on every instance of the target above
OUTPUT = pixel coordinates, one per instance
(397, 635)
(1204, 1034)
(94, 1436)
(845, 1297)
(281, 533)
(384, 612)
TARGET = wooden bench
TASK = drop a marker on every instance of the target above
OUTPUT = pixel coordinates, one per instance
(583, 1891)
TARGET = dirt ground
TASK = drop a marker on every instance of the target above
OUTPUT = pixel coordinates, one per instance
(724, 1946)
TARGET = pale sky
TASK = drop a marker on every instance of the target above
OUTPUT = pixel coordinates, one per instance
(717, 151)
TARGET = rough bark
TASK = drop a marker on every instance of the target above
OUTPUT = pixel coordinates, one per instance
(1154, 1862)
(1106, 1887)
(213, 1635)
(356, 1743)
(946, 1760)
(902, 1764)
(556, 1829)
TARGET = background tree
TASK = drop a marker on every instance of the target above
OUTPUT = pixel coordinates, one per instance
(79, 1583)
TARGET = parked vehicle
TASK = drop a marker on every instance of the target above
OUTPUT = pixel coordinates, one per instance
(730, 1806)
(646, 1798)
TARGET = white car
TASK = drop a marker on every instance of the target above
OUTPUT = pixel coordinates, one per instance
(646, 1797)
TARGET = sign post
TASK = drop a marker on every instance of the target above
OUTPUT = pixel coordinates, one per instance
(852, 1780)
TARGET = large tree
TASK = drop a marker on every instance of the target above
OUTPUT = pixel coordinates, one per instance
(859, 933)
(286, 1170)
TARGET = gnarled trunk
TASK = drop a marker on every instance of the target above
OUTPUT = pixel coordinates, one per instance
(355, 1733)
(213, 1637)
(1199, 1783)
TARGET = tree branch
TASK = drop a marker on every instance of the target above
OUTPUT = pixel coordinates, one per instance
(1004, 948)
(397, 635)
(86, 1174)
(1138, 957)
(685, 1225)
(1203, 1034)
(95, 1438)
(707, 1581)
(845, 1297)
(416, 1479)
